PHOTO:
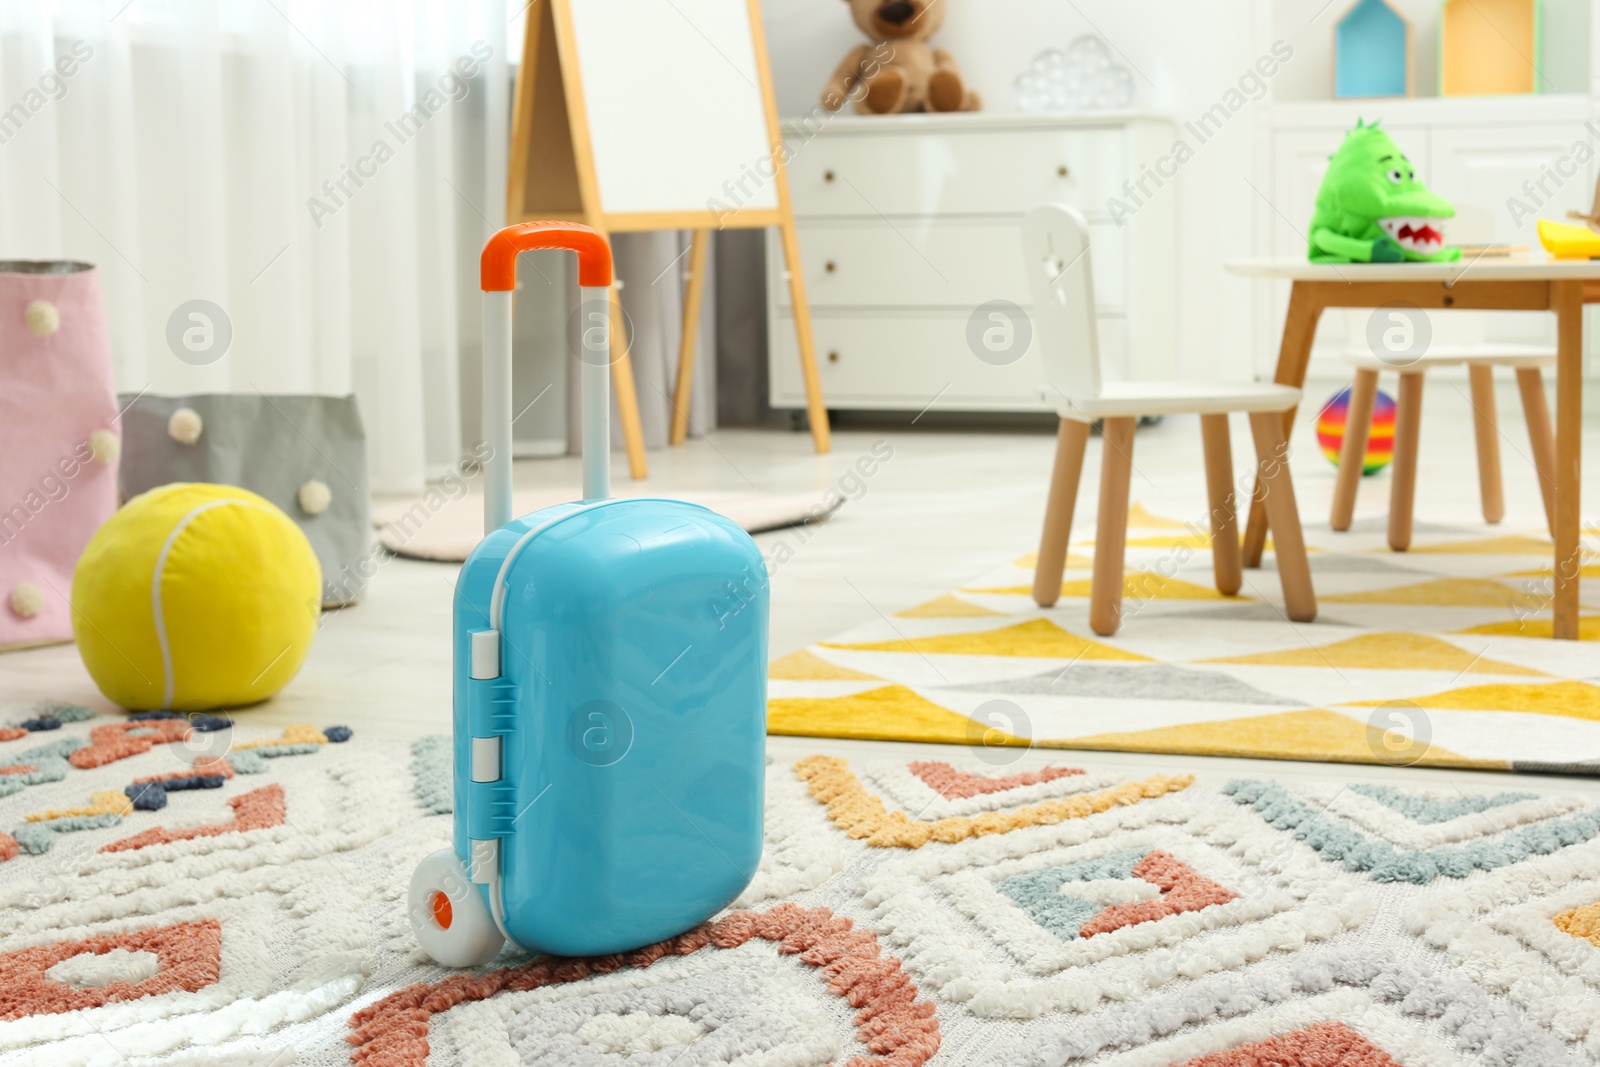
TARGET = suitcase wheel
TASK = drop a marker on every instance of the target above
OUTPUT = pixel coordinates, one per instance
(449, 914)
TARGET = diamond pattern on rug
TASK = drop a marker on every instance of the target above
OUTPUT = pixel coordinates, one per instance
(1525, 930)
(1095, 897)
(1581, 922)
(1012, 912)
(1065, 916)
(196, 931)
(714, 1017)
(953, 784)
(1319, 1045)
(189, 958)
(863, 815)
(1434, 810)
(1338, 840)
(890, 1019)
(258, 809)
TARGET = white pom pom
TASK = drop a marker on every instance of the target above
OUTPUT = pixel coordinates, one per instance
(27, 600)
(314, 497)
(185, 425)
(105, 446)
(43, 318)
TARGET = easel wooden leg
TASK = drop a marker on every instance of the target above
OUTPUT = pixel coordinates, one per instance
(1486, 429)
(1566, 300)
(816, 409)
(1353, 453)
(1071, 441)
(693, 298)
(627, 391)
(1299, 331)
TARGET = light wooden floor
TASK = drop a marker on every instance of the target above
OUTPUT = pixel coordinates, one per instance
(945, 507)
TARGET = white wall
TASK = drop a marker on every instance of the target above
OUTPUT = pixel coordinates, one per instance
(1185, 53)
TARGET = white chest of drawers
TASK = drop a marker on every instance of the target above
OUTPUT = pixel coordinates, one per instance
(908, 224)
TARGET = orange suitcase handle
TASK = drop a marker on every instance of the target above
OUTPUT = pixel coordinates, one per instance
(498, 265)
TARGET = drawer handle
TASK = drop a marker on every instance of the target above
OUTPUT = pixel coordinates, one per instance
(833, 357)
(830, 266)
(827, 175)
(1062, 171)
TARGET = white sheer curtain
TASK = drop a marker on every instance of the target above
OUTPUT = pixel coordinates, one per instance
(204, 149)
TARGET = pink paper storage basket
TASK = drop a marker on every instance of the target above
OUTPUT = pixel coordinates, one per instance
(59, 440)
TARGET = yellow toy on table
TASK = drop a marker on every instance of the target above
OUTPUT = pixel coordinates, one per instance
(1565, 241)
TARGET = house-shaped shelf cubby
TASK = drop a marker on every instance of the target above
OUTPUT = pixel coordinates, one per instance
(1372, 52)
(1488, 47)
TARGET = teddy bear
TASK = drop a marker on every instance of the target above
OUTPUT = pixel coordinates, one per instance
(899, 71)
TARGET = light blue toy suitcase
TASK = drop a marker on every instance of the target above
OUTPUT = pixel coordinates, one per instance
(610, 690)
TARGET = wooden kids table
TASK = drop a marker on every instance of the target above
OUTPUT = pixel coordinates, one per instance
(1519, 284)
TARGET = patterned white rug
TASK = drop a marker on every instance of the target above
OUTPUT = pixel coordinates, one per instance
(959, 911)
(1440, 656)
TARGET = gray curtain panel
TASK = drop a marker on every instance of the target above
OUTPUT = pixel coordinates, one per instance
(741, 337)
(272, 446)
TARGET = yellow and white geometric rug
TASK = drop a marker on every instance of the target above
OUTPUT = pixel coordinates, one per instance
(1439, 656)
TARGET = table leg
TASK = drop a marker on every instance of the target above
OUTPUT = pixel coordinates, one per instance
(1566, 300)
(1299, 330)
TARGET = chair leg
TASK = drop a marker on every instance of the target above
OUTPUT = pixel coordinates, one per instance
(1403, 487)
(1283, 517)
(1071, 440)
(1353, 453)
(1225, 553)
(1541, 437)
(1486, 429)
(1116, 472)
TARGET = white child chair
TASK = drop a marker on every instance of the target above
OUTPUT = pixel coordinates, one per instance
(1480, 357)
(1055, 240)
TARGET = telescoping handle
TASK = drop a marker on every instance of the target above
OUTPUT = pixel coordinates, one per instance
(498, 273)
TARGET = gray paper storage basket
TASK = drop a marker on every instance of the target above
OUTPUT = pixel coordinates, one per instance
(272, 446)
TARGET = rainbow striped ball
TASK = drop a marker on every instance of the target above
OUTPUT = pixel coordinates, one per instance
(1380, 442)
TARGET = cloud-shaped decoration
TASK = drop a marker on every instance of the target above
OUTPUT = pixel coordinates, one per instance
(1083, 78)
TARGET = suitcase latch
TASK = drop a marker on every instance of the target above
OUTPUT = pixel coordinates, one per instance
(493, 810)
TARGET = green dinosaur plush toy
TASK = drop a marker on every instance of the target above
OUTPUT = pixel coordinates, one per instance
(1372, 209)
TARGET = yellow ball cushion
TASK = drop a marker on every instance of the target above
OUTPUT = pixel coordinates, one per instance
(195, 596)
